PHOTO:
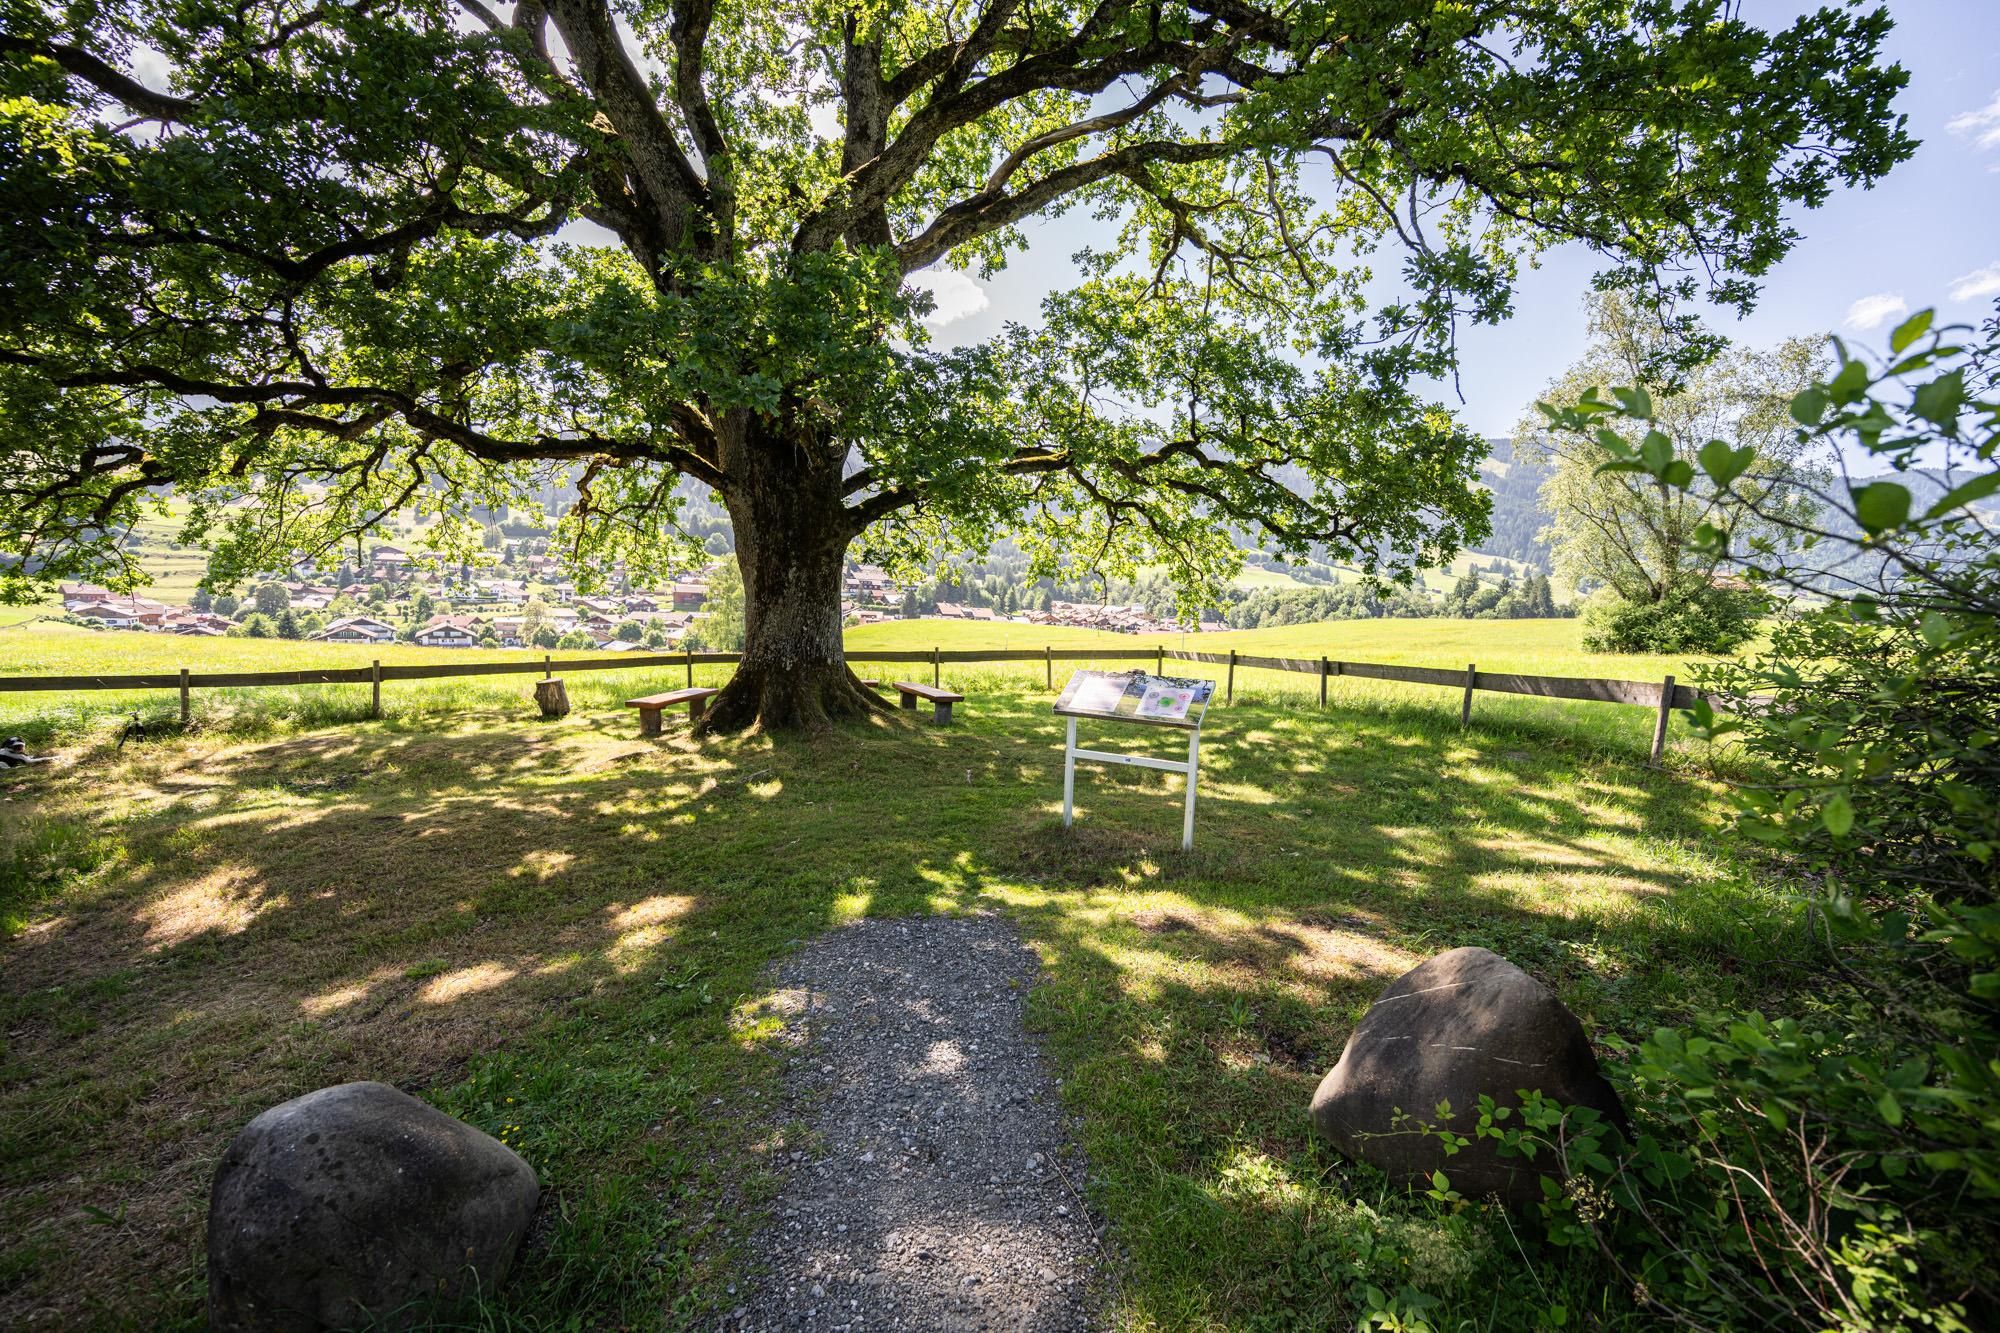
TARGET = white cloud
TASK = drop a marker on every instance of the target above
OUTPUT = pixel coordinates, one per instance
(1981, 126)
(1978, 284)
(1872, 312)
(956, 294)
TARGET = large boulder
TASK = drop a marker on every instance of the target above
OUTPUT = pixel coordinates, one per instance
(359, 1205)
(1465, 1023)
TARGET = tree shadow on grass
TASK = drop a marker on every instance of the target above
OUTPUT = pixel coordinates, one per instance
(546, 927)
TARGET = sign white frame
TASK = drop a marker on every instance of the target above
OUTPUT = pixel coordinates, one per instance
(1191, 769)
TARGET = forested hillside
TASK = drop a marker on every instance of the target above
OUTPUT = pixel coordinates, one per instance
(1517, 505)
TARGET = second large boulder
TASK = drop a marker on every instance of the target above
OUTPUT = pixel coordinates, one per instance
(1465, 1023)
(359, 1205)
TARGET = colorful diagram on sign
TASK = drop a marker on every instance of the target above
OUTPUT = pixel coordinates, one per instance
(1136, 696)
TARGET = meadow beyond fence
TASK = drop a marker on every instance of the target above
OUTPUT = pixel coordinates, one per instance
(1662, 696)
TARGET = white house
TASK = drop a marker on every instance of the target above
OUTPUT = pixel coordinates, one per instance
(447, 632)
(104, 613)
(357, 629)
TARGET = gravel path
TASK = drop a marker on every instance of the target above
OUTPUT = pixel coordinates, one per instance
(939, 1191)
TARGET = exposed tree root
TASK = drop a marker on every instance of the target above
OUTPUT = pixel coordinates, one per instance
(799, 698)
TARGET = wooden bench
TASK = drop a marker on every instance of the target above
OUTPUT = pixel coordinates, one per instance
(942, 700)
(653, 705)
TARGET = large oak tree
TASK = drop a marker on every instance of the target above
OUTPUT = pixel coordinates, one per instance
(310, 262)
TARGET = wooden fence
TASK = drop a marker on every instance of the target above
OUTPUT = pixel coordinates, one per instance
(1662, 697)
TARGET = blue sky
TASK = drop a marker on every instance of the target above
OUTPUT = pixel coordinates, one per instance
(1931, 229)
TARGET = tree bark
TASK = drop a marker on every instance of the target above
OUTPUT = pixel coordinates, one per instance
(792, 531)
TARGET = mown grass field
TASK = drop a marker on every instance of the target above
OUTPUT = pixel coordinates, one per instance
(559, 931)
(1546, 647)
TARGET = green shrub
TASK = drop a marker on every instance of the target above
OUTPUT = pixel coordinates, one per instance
(1839, 1168)
(1694, 617)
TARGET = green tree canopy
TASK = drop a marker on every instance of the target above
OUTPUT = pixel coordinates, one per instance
(720, 628)
(1623, 531)
(336, 267)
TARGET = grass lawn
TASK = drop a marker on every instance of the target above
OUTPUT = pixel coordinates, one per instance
(560, 932)
(1547, 647)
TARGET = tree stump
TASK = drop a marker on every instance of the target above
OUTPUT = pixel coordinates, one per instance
(553, 698)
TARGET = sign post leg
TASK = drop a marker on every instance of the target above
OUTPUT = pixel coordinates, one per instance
(1194, 767)
(1069, 773)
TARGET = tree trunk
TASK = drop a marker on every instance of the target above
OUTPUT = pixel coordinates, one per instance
(792, 531)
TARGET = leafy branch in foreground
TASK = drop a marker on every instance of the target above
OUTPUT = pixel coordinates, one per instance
(1841, 1169)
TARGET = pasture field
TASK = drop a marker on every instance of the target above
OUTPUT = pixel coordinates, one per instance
(1546, 647)
(1536, 647)
(560, 932)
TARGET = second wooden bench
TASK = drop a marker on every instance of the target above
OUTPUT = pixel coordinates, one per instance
(653, 705)
(941, 700)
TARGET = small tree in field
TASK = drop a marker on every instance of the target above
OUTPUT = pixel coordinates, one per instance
(720, 629)
(272, 598)
(329, 271)
(1666, 591)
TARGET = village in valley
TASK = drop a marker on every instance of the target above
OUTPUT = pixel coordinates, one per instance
(523, 597)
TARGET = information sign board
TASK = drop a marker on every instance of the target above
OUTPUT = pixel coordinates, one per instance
(1136, 696)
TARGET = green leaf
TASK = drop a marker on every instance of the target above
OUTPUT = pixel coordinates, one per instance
(1636, 402)
(1976, 489)
(1937, 629)
(1940, 401)
(1808, 406)
(1881, 505)
(1910, 330)
(1656, 452)
(1891, 1109)
(1850, 383)
(1838, 815)
(1678, 474)
(1723, 464)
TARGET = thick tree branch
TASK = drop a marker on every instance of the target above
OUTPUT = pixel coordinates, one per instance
(107, 79)
(866, 104)
(973, 218)
(282, 402)
(691, 21)
(440, 216)
(673, 191)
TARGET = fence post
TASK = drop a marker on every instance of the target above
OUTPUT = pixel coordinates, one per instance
(936, 679)
(1049, 666)
(548, 667)
(1322, 681)
(1660, 721)
(375, 681)
(1160, 660)
(1465, 709)
(184, 697)
(1232, 677)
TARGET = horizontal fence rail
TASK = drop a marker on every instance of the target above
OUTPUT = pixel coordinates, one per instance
(1662, 696)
